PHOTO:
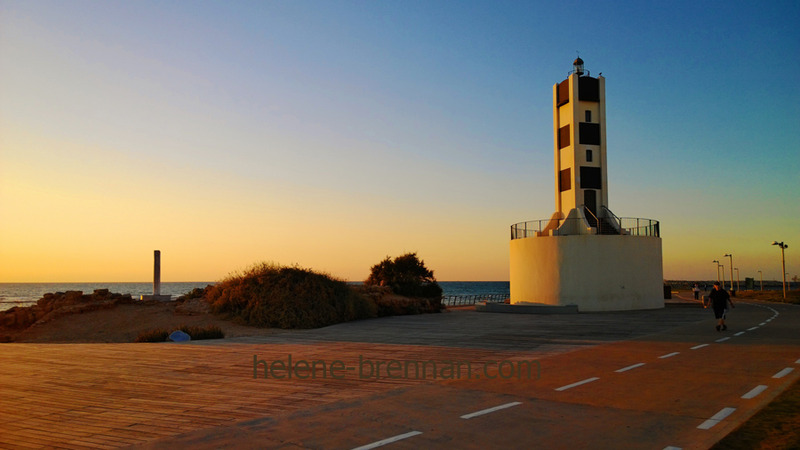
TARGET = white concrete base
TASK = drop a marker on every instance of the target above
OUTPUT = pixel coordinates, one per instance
(594, 272)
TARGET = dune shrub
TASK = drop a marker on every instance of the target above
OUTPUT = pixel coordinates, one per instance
(199, 333)
(153, 336)
(405, 275)
(195, 332)
(390, 304)
(193, 294)
(267, 295)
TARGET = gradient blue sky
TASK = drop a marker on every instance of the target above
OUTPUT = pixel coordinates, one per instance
(333, 134)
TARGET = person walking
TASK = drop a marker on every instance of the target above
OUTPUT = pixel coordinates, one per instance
(696, 290)
(719, 299)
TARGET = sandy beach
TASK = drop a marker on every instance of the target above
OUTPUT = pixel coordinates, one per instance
(124, 322)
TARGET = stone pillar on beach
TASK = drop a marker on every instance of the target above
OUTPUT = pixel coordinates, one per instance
(157, 272)
(157, 280)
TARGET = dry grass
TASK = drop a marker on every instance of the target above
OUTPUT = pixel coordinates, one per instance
(792, 296)
(153, 336)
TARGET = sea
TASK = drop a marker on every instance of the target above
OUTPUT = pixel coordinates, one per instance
(26, 294)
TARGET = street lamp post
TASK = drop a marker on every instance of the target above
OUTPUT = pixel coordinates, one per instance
(729, 255)
(783, 263)
(723, 275)
(717, 262)
(762, 279)
(737, 279)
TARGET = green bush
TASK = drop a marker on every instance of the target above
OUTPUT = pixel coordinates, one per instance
(268, 295)
(406, 275)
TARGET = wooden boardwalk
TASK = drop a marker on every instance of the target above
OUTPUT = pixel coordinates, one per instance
(110, 395)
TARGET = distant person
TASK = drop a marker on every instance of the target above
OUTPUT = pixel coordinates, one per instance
(719, 299)
(696, 290)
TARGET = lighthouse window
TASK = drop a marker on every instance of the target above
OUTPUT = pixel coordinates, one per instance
(588, 155)
(564, 178)
(588, 89)
(589, 133)
(563, 93)
(588, 116)
(563, 136)
(591, 178)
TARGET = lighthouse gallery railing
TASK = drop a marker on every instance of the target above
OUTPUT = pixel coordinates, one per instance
(630, 226)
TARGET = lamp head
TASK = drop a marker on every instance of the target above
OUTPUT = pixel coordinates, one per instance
(578, 66)
(774, 242)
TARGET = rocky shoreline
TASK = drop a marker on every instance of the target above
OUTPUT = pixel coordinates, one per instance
(52, 306)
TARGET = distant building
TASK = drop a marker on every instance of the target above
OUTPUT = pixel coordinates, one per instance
(584, 254)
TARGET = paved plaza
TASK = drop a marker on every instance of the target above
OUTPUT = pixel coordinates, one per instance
(644, 379)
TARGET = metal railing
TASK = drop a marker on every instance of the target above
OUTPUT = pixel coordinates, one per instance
(590, 217)
(464, 300)
(530, 228)
(640, 227)
(629, 226)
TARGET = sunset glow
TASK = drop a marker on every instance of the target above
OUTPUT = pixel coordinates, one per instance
(334, 134)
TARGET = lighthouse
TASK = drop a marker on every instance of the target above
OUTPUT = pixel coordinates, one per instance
(585, 255)
(579, 119)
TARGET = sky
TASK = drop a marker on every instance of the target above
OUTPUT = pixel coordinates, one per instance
(331, 134)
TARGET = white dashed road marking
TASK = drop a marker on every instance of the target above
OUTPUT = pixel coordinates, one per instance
(722, 339)
(752, 328)
(716, 418)
(739, 333)
(625, 369)
(570, 386)
(699, 346)
(490, 410)
(383, 442)
(755, 391)
(783, 372)
(668, 355)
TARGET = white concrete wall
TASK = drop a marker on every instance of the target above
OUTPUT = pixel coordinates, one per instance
(595, 272)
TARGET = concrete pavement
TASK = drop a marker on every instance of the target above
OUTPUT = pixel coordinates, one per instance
(645, 379)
